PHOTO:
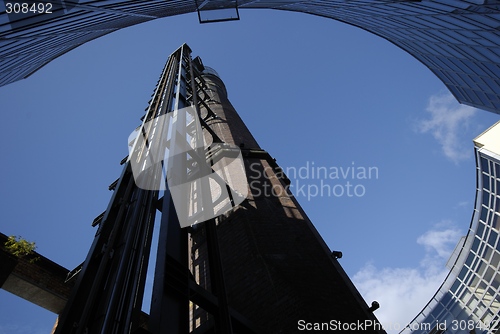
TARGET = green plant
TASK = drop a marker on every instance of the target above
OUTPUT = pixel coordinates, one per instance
(20, 247)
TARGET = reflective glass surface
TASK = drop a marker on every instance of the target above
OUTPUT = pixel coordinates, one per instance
(458, 40)
(469, 299)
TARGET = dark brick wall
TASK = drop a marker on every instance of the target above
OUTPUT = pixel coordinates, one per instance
(277, 268)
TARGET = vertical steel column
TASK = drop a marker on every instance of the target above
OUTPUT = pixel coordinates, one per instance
(109, 288)
(169, 311)
(108, 294)
(170, 301)
(171, 292)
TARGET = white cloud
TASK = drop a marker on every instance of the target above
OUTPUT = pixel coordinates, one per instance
(437, 243)
(403, 292)
(464, 204)
(448, 120)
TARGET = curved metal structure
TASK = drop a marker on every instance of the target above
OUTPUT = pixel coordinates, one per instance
(456, 39)
(469, 299)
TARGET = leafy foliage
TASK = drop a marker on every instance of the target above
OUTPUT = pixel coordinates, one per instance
(20, 247)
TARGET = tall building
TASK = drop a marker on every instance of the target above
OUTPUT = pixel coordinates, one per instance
(456, 39)
(277, 268)
(256, 266)
(469, 299)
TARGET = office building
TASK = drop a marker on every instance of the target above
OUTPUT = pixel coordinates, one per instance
(458, 40)
(469, 299)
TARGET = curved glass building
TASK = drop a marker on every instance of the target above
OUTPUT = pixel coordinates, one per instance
(456, 39)
(469, 299)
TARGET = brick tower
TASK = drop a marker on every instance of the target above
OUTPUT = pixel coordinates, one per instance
(277, 268)
(258, 266)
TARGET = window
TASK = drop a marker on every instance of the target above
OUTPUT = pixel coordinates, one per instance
(487, 253)
(468, 262)
(480, 269)
(495, 259)
(480, 229)
(446, 299)
(475, 245)
(486, 181)
(484, 214)
(455, 286)
(486, 198)
(493, 238)
(496, 282)
(489, 274)
(495, 220)
(484, 162)
(461, 276)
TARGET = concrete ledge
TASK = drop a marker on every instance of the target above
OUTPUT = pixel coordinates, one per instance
(41, 282)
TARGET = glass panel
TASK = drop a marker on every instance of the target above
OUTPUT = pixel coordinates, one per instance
(458, 311)
(480, 94)
(486, 181)
(495, 259)
(468, 262)
(480, 268)
(480, 229)
(486, 198)
(493, 238)
(484, 214)
(491, 84)
(496, 282)
(489, 274)
(487, 254)
(446, 299)
(480, 308)
(495, 221)
(484, 162)
(475, 245)
(455, 286)
(465, 298)
(498, 247)
(481, 289)
(488, 53)
(468, 276)
(481, 247)
(486, 319)
(435, 313)
(493, 68)
(472, 302)
(461, 276)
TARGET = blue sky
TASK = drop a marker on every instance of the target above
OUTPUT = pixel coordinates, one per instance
(311, 90)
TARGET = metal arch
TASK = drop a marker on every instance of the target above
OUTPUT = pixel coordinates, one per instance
(452, 38)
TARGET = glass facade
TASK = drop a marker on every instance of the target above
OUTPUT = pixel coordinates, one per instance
(469, 299)
(456, 39)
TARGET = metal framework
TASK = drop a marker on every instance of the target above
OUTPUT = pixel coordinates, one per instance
(109, 290)
(470, 294)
